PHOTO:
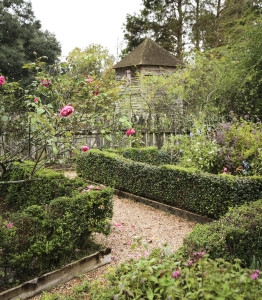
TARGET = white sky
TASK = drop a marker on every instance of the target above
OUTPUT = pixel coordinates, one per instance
(79, 23)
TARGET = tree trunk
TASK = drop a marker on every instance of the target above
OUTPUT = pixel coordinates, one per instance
(218, 22)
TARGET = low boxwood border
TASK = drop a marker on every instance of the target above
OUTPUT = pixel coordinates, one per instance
(206, 194)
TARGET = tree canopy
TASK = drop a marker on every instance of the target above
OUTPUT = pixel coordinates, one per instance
(21, 38)
(179, 25)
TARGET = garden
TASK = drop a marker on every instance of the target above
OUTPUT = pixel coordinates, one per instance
(205, 159)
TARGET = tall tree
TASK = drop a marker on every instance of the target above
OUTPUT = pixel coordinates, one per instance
(21, 37)
(161, 20)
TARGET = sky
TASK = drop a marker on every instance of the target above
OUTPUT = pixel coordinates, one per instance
(79, 23)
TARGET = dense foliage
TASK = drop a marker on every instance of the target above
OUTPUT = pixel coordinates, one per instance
(21, 37)
(189, 189)
(165, 277)
(238, 234)
(229, 148)
(46, 224)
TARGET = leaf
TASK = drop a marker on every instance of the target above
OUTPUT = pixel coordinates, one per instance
(4, 118)
(108, 138)
(40, 111)
(33, 120)
(150, 294)
(55, 150)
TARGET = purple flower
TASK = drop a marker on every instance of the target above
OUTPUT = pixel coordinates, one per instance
(257, 271)
(254, 276)
(175, 274)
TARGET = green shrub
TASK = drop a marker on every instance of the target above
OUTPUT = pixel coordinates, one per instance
(202, 193)
(149, 155)
(39, 192)
(238, 234)
(40, 238)
(162, 277)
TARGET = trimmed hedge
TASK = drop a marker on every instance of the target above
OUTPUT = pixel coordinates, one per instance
(51, 185)
(165, 277)
(149, 155)
(41, 238)
(206, 194)
(47, 223)
(238, 234)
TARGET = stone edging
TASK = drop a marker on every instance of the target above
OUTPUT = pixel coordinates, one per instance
(48, 280)
(166, 208)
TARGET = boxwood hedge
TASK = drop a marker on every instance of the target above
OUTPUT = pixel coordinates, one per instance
(202, 193)
(52, 184)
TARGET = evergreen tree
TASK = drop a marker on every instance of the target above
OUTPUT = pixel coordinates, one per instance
(21, 38)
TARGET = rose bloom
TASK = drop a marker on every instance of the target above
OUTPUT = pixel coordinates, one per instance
(36, 100)
(85, 148)
(46, 82)
(66, 110)
(130, 131)
(2, 80)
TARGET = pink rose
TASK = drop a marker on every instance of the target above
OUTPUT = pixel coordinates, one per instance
(9, 225)
(46, 82)
(66, 111)
(2, 80)
(85, 148)
(130, 131)
(35, 100)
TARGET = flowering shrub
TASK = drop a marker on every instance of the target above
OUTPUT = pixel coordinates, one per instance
(66, 110)
(167, 277)
(2, 80)
(233, 148)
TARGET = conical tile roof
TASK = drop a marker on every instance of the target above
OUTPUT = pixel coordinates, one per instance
(148, 53)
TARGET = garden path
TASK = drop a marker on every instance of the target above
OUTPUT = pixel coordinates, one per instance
(131, 220)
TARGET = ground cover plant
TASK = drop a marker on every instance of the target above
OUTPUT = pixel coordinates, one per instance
(45, 225)
(167, 277)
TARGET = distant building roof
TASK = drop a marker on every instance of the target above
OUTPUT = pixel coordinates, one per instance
(148, 53)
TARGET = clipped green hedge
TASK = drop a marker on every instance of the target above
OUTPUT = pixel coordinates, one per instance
(149, 155)
(51, 185)
(202, 193)
(238, 234)
(40, 238)
(164, 277)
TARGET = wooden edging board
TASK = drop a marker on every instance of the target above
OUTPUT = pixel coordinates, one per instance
(64, 274)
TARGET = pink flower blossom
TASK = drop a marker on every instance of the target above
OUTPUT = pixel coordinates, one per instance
(97, 188)
(35, 100)
(175, 274)
(80, 188)
(257, 271)
(146, 253)
(66, 110)
(90, 79)
(85, 148)
(9, 225)
(90, 187)
(118, 224)
(46, 82)
(2, 80)
(255, 276)
(102, 186)
(96, 93)
(133, 226)
(130, 131)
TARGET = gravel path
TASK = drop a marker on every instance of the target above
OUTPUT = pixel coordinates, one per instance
(132, 220)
